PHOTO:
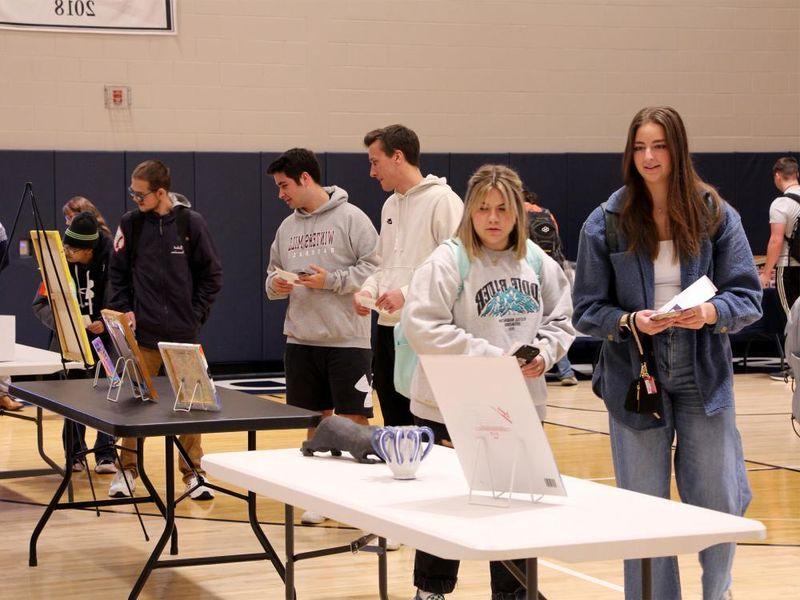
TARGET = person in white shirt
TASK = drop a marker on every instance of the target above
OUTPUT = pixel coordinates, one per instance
(421, 213)
(783, 214)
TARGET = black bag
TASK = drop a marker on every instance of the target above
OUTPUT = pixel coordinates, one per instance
(793, 240)
(644, 396)
(543, 232)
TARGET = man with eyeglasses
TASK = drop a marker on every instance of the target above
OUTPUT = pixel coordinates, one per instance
(165, 274)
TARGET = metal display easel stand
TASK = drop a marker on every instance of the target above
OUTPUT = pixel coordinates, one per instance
(129, 371)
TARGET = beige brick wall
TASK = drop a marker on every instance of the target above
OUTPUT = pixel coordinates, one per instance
(519, 76)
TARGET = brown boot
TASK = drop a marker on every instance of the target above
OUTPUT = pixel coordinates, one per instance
(8, 403)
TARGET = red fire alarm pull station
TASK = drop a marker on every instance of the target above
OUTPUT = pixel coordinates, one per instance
(118, 96)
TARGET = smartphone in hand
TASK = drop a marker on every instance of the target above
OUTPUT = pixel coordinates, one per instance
(525, 354)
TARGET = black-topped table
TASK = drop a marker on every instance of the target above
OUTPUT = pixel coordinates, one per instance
(79, 401)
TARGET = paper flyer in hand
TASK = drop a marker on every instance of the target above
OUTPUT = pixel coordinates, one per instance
(700, 291)
(368, 302)
(287, 276)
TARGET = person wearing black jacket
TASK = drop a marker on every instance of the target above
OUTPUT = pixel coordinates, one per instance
(87, 251)
(165, 274)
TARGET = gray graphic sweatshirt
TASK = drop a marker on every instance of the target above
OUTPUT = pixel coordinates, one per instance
(341, 239)
(502, 302)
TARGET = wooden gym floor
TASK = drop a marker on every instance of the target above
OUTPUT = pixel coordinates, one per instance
(83, 556)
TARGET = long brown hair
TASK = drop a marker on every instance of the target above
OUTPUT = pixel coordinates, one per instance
(690, 219)
(507, 182)
(79, 204)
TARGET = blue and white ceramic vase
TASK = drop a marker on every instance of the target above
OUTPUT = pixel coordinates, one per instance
(403, 448)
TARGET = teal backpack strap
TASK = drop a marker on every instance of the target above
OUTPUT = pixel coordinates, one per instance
(462, 259)
(533, 257)
(405, 359)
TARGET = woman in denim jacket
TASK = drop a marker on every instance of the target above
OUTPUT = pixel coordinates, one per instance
(671, 229)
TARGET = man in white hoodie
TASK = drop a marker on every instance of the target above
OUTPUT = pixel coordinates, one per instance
(322, 253)
(421, 213)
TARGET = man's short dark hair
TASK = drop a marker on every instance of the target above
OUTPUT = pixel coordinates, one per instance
(155, 173)
(787, 167)
(293, 163)
(396, 137)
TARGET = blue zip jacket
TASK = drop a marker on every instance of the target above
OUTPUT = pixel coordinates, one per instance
(608, 284)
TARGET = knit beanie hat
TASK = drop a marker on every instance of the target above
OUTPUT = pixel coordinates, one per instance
(82, 231)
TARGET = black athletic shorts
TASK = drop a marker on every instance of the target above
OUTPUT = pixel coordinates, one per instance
(324, 378)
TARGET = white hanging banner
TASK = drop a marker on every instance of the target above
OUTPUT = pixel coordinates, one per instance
(91, 16)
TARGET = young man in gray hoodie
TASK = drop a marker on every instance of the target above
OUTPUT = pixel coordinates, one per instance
(322, 253)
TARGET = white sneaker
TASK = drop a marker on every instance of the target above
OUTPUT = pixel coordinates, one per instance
(200, 492)
(118, 488)
(392, 545)
(105, 467)
(420, 595)
(311, 518)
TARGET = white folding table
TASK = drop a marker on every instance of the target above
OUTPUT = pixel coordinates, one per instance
(433, 513)
(34, 361)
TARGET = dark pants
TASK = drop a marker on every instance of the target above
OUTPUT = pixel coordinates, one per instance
(103, 440)
(394, 406)
(439, 575)
(787, 280)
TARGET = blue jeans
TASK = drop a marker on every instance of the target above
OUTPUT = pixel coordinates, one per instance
(564, 368)
(709, 466)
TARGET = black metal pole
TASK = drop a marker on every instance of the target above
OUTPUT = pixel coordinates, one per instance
(170, 519)
(647, 579)
(289, 533)
(32, 559)
(532, 578)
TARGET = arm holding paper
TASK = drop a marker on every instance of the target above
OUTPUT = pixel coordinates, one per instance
(691, 308)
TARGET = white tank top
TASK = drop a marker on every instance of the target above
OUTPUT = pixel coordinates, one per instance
(667, 273)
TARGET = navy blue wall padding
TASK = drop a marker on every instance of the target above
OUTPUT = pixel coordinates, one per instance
(434, 164)
(351, 172)
(98, 176)
(462, 166)
(181, 169)
(591, 179)
(228, 194)
(240, 203)
(718, 169)
(19, 281)
(273, 212)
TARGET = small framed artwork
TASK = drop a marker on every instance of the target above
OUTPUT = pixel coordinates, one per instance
(187, 369)
(105, 360)
(119, 329)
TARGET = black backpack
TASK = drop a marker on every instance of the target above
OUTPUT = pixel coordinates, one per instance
(543, 232)
(794, 239)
